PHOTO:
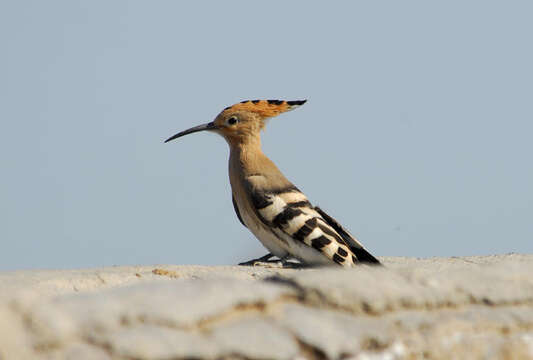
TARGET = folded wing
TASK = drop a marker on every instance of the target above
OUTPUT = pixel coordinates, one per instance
(289, 214)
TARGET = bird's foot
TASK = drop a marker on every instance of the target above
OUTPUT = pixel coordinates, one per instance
(267, 261)
(262, 259)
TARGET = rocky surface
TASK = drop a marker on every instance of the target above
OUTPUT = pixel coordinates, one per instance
(438, 308)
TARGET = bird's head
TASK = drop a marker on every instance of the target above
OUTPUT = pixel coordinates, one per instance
(245, 120)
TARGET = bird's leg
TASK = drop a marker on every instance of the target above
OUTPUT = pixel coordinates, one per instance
(262, 259)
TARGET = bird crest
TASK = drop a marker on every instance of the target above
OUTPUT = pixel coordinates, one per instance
(265, 108)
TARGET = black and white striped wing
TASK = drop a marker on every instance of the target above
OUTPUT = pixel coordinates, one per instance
(289, 214)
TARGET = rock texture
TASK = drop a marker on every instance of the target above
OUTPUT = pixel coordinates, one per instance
(440, 308)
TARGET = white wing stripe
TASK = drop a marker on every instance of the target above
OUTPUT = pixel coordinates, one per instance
(271, 211)
(295, 224)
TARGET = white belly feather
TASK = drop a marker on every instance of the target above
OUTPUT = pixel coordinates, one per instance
(265, 235)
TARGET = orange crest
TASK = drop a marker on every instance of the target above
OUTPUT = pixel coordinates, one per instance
(266, 108)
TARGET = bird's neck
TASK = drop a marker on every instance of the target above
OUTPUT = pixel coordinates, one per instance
(248, 160)
(247, 156)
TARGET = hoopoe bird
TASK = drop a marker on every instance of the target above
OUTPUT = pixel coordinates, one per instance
(268, 204)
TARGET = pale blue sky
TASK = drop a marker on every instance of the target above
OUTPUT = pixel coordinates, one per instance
(417, 135)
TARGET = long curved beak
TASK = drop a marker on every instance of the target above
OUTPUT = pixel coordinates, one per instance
(208, 126)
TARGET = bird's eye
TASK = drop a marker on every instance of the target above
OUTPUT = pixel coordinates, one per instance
(232, 120)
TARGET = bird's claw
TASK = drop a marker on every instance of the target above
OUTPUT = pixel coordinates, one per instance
(262, 259)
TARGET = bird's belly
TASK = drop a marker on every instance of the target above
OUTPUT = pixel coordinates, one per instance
(264, 235)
